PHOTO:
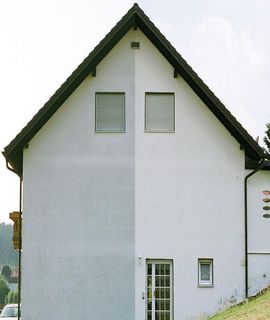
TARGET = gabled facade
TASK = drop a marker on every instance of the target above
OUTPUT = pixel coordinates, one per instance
(133, 174)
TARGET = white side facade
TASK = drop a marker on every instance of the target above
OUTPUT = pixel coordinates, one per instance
(96, 206)
(258, 233)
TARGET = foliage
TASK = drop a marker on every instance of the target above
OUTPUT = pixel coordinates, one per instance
(8, 255)
(4, 290)
(6, 271)
(257, 308)
(12, 297)
(266, 138)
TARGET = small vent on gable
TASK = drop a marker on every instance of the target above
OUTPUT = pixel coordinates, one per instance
(135, 45)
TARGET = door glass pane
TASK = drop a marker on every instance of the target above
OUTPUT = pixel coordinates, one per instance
(160, 316)
(161, 281)
(162, 293)
(157, 269)
(162, 305)
(149, 269)
(167, 269)
(162, 269)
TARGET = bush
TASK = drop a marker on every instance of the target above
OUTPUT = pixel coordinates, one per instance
(12, 297)
(4, 290)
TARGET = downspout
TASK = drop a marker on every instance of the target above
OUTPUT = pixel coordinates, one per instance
(261, 164)
(20, 243)
(20, 254)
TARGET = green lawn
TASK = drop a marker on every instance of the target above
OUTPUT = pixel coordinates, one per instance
(257, 308)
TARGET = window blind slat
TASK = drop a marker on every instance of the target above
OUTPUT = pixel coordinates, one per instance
(110, 114)
(159, 112)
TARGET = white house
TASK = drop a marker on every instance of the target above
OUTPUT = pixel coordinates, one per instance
(136, 203)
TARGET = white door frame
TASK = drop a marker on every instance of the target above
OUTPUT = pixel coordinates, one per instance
(159, 289)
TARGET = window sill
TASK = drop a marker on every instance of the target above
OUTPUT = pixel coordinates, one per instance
(110, 131)
(159, 131)
(205, 286)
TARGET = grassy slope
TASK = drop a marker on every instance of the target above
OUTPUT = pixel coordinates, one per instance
(257, 308)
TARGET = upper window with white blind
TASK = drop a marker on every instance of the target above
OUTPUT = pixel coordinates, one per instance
(110, 112)
(159, 112)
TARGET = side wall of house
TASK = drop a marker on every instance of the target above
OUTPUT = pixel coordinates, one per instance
(258, 232)
(78, 230)
(189, 195)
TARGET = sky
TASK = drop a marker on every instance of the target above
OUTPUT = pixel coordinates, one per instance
(227, 42)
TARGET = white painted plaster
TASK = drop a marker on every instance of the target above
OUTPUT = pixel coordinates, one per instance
(258, 232)
(78, 230)
(96, 202)
(259, 272)
(189, 194)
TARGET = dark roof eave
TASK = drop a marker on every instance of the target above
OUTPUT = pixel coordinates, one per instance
(12, 164)
(251, 165)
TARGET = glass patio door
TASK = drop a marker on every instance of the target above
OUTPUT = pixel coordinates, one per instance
(159, 290)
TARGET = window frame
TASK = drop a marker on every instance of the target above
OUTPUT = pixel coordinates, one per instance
(124, 111)
(146, 130)
(206, 283)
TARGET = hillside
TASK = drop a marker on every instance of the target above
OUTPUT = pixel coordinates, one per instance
(257, 308)
(8, 255)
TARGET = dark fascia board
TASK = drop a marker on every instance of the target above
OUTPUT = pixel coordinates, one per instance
(135, 17)
(252, 164)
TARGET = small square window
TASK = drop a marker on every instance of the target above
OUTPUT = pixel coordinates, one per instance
(110, 112)
(159, 112)
(205, 273)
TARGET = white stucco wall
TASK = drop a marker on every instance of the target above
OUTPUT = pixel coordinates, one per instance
(258, 233)
(189, 194)
(95, 202)
(78, 230)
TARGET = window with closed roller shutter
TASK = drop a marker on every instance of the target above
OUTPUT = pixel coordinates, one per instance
(159, 112)
(110, 112)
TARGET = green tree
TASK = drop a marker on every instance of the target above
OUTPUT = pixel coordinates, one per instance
(12, 297)
(266, 138)
(6, 271)
(4, 290)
